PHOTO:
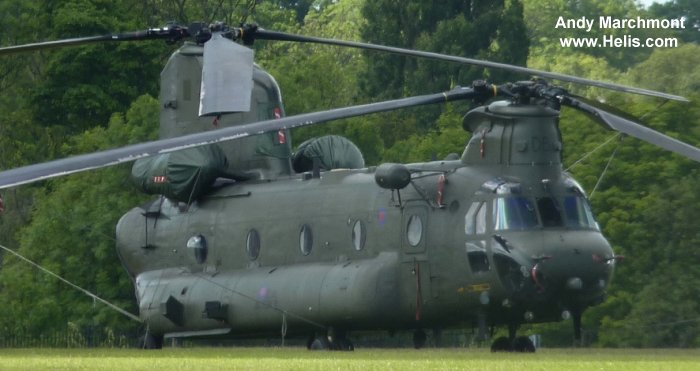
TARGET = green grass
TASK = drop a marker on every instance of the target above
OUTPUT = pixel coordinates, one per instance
(361, 359)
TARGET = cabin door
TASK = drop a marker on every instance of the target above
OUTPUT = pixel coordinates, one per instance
(415, 267)
(414, 229)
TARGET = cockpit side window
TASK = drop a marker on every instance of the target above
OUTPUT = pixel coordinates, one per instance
(578, 213)
(514, 213)
(481, 219)
(549, 211)
(475, 219)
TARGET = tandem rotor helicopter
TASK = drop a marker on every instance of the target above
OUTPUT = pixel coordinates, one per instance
(248, 237)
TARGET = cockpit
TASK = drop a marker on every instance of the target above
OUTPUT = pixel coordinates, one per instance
(540, 240)
(511, 210)
(562, 211)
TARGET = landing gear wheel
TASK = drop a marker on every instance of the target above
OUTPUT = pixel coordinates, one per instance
(419, 339)
(343, 344)
(151, 341)
(523, 344)
(437, 337)
(501, 344)
(320, 343)
(576, 317)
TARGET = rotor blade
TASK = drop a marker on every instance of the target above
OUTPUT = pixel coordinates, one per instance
(53, 44)
(227, 77)
(170, 33)
(282, 36)
(32, 173)
(634, 129)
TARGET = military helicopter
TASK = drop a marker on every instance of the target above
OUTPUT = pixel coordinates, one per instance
(248, 238)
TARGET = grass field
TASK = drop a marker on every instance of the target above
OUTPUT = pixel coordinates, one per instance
(360, 359)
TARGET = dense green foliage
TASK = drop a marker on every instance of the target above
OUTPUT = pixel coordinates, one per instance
(71, 234)
(62, 102)
(478, 28)
(485, 29)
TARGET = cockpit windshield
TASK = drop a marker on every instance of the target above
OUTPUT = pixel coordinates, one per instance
(578, 213)
(521, 213)
(550, 212)
(514, 213)
(514, 208)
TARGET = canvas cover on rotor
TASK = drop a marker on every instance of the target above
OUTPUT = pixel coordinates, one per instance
(183, 175)
(332, 152)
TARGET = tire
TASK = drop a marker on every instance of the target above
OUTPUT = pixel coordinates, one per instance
(320, 343)
(419, 339)
(151, 341)
(523, 344)
(501, 344)
(343, 344)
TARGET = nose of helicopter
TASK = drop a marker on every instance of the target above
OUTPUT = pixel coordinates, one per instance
(571, 269)
(576, 266)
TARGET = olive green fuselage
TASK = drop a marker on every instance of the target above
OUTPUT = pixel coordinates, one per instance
(502, 236)
(367, 277)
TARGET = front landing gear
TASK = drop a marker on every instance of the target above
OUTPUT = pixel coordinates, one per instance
(520, 344)
(576, 317)
(419, 338)
(523, 344)
(501, 344)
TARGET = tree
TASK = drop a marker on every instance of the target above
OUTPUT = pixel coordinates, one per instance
(477, 29)
(22, 141)
(71, 234)
(663, 305)
(317, 77)
(80, 87)
(303, 7)
(463, 28)
(184, 12)
(542, 16)
(673, 70)
(677, 9)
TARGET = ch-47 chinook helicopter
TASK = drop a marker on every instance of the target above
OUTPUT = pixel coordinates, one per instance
(249, 238)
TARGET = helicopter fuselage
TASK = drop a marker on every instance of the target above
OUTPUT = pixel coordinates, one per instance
(484, 238)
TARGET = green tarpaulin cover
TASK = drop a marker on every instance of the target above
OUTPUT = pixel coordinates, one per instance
(183, 175)
(332, 152)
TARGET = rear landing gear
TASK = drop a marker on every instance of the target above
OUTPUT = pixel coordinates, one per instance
(337, 340)
(419, 338)
(343, 344)
(151, 341)
(319, 343)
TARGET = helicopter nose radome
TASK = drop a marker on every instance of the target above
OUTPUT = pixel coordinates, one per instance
(577, 270)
